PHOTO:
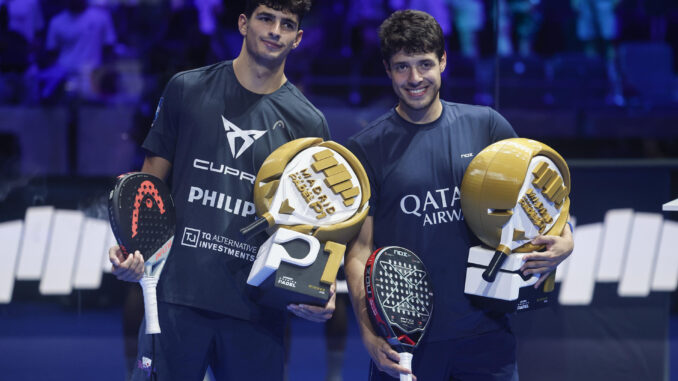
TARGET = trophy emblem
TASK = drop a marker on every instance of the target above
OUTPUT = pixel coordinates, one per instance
(513, 191)
(312, 195)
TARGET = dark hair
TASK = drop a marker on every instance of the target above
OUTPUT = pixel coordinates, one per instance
(297, 7)
(412, 31)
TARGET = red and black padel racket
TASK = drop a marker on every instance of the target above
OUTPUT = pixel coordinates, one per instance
(142, 216)
(399, 299)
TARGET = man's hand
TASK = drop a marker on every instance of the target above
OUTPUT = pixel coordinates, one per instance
(315, 313)
(358, 251)
(557, 250)
(384, 357)
(129, 269)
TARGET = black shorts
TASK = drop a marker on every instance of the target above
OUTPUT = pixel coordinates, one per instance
(191, 339)
(488, 357)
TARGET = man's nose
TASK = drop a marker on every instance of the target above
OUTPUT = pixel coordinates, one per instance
(275, 30)
(415, 76)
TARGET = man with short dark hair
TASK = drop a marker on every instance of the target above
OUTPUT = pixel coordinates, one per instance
(415, 156)
(214, 128)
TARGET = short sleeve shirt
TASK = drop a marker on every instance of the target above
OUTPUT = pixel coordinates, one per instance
(217, 134)
(80, 38)
(415, 174)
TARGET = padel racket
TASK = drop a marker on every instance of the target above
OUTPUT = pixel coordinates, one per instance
(309, 183)
(142, 216)
(399, 299)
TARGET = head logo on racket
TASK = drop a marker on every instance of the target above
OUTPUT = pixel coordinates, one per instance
(142, 216)
(147, 193)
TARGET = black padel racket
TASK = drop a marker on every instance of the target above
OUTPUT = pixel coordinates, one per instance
(142, 216)
(399, 299)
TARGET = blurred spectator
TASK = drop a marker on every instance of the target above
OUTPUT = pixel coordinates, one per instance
(176, 44)
(597, 25)
(597, 29)
(519, 21)
(436, 8)
(227, 41)
(362, 20)
(208, 14)
(25, 17)
(79, 40)
(14, 60)
(183, 46)
(468, 20)
(657, 10)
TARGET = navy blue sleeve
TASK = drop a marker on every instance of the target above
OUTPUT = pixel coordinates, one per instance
(325, 130)
(162, 137)
(361, 155)
(500, 128)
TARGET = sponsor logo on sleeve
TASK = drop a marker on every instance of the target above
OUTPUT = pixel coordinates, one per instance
(157, 110)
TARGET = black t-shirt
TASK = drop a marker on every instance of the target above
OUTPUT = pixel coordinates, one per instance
(415, 174)
(217, 134)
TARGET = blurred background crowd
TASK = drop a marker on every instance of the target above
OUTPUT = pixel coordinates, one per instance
(593, 69)
(80, 81)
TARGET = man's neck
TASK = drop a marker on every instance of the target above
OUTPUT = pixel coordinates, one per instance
(423, 116)
(258, 78)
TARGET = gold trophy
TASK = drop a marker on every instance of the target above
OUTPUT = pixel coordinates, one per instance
(513, 191)
(312, 196)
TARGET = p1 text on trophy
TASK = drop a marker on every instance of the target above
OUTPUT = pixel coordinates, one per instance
(312, 197)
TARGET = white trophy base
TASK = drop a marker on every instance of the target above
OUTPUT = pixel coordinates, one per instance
(288, 269)
(510, 291)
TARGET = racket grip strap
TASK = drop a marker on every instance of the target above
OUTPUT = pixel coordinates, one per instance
(148, 286)
(495, 264)
(406, 362)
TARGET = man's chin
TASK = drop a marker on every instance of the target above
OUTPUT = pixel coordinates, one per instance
(417, 106)
(269, 60)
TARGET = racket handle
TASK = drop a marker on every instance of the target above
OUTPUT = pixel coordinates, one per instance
(148, 285)
(255, 228)
(495, 264)
(406, 362)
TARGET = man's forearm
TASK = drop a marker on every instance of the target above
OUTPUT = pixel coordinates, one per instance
(354, 279)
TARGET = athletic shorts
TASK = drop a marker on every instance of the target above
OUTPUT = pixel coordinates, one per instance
(191, 339)
(487, 357)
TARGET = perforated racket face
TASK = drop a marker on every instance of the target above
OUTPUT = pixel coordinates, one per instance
(399, 294)
(142, 215)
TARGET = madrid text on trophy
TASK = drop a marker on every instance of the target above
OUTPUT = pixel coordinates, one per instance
(312, 198)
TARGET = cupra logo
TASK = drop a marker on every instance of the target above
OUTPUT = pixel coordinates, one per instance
(248, 137)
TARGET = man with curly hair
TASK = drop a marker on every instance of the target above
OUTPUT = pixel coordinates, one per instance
(415, 156)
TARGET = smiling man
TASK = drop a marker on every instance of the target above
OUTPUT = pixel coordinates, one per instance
(213, 129)
(415, 156)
